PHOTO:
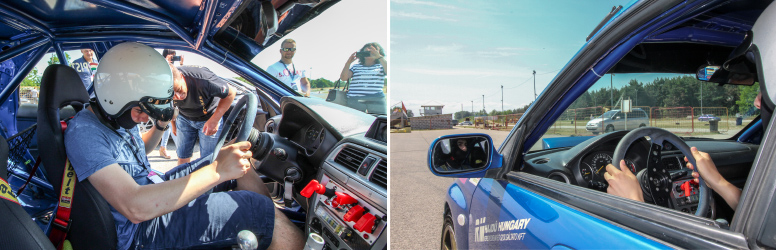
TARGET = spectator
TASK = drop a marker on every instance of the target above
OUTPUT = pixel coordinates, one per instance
(86, 66)
(366, 79)
(285, 70)
(169, 55)
(202, 98)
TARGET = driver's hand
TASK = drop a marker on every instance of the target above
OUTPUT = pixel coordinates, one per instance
(706, 167)
(211, 127)
(622, 182)
(234, 161)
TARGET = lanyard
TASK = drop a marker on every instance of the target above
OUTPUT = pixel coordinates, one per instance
(134, 147)
(290, 73)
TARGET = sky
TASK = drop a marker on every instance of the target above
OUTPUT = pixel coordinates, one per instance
(454, 52)
(323, 44)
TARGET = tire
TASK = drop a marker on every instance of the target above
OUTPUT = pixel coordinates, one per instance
(448, 235)
(609, 129)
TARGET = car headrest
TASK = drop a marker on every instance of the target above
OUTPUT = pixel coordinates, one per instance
(60, 86)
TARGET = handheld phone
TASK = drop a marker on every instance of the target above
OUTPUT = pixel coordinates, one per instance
(363, 54)
(176, 58)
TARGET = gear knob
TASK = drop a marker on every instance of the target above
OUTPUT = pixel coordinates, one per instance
(247, 240)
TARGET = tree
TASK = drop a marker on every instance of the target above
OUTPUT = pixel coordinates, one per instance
(32, 79)
(241, 79)
(55, 60)
(746, 99)
(409, 113)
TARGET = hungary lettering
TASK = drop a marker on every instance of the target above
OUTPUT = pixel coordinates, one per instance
(496, 231)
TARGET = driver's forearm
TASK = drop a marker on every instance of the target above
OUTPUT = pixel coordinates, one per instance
(223, 105)
(151, 201)
(729, 192)
(152, 137)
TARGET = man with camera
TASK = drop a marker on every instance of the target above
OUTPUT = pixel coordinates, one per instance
(285, 70)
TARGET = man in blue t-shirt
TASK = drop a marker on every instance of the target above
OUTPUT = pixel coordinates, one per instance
(174, 210)
(86, 66)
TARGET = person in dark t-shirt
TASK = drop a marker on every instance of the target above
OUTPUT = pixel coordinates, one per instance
(202, 98)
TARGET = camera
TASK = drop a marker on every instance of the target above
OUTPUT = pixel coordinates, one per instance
(176, 58)
(363, 54)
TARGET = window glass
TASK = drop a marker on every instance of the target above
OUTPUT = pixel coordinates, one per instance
(670, 101)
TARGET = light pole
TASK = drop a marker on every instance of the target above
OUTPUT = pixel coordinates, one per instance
(472, 107)
(701, 98)
(483, 104)
(534, 76)
(611, 90)
(502, 98)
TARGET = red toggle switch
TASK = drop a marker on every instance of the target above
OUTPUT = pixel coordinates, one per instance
(342, 199)
(313, 187)
(354, 213)
(687, 188)
(366, 223)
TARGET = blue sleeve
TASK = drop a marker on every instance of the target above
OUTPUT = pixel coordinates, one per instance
(87, 149)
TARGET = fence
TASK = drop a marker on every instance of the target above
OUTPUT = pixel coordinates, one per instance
(29, 94)
(679, 120)
(444, 121)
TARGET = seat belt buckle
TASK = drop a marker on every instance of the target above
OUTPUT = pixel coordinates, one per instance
(62, 225)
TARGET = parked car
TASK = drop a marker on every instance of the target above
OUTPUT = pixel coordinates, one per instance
(615, 119)
(556, 198)
(708, 118)
(465, 123)
(339, 147)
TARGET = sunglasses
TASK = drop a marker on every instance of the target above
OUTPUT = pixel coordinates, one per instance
(288, 49)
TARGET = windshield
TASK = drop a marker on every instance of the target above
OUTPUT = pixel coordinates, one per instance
(321, 54)
(676, 102)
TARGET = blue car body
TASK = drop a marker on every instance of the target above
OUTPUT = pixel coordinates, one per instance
(501, 206)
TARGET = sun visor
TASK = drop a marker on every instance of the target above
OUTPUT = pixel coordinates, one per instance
(259, 24)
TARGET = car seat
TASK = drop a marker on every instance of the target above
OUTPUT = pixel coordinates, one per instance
(18, 231)
(92, 225)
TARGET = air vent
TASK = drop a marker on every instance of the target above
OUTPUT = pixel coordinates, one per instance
(380, 175)
(350, 158)
(541, 161)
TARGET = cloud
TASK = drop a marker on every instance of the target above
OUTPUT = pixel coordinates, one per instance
(495, 54)
(432, 4)
(415, 15)
(459, 72)
(444, 48)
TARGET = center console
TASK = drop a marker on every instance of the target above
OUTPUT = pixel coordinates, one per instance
(348, 201)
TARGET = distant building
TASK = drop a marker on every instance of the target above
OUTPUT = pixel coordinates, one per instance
(432, 109)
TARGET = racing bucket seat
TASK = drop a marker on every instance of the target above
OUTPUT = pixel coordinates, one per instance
(92, 225)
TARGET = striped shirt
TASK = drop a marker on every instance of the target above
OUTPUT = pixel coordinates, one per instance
(366, 79)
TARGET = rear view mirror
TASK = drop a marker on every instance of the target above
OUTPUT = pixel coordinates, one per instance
(461, 153)
(705, 73)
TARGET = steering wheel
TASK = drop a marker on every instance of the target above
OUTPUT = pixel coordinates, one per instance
(246, 126)
(658, 180)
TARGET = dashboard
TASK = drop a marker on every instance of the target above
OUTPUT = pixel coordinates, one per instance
(585, 163)
(339, 150)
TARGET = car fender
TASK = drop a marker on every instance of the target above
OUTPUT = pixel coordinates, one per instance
(458, 201)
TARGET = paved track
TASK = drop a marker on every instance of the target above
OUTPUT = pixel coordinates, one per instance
(416, 195)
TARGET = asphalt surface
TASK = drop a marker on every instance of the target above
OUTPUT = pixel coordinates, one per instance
(416, 195)
(161, 164)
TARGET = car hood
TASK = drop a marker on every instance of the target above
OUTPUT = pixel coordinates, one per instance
(245, 28)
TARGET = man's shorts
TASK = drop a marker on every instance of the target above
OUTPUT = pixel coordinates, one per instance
(211, 221)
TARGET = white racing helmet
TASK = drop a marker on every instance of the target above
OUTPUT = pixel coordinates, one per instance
(132, 74)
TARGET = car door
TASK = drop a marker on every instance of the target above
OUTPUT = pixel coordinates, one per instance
(507, 216)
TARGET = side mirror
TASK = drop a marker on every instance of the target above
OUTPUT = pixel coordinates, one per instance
(466, 155)
(705, 72)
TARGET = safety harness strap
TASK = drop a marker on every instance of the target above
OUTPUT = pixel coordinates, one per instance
(61, 223)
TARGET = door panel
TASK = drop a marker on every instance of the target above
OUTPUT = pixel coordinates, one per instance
(506, 216)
